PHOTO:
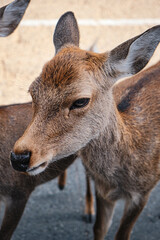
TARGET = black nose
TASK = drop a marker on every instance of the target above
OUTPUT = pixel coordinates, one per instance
(20, 162)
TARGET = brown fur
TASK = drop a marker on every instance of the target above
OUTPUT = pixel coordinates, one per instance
(116, 133)
(15, 188)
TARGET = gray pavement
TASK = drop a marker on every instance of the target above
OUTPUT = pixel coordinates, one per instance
(52, 214)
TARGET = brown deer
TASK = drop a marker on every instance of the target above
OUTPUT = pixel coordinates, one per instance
(15, 188)
(75, 110)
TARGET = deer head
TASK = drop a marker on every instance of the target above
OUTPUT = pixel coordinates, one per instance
(72, 97)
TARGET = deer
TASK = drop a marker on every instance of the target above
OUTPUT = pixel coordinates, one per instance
(76, 110)
(15, 187)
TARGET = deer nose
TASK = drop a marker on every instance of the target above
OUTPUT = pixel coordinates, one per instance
(20, 162)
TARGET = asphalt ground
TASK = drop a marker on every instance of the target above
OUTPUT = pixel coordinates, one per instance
(52, 214)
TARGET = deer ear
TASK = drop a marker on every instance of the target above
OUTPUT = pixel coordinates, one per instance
(66, 31)
(11, 15)
(133, 55)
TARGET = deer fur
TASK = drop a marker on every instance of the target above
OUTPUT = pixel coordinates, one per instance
(15, 187)
(118, 140)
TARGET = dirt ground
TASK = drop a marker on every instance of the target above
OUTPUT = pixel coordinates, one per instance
(23, 54)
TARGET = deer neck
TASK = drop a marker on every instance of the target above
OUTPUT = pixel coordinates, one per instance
(103, 155)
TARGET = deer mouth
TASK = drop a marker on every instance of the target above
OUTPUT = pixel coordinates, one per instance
(38, 169)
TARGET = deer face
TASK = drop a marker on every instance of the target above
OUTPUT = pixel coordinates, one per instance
(68, 109)
(72, 97)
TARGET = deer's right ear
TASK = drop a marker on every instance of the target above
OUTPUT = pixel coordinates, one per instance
(66, 31)
(132, 56)
(11, 15)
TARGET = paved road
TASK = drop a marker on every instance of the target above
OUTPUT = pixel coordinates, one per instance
(52, 214)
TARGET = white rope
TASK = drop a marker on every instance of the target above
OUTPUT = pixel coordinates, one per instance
(93, 22)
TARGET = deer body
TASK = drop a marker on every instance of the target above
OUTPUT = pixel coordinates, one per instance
(12, 187)
(114, 128)
(127, 154)
(125, 160)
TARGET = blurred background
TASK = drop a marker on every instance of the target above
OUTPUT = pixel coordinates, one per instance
(23, 54)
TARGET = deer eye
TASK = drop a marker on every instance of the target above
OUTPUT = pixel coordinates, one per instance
(80, 103)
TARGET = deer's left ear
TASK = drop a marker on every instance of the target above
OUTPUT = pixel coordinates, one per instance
(66, 31)
(133, 55)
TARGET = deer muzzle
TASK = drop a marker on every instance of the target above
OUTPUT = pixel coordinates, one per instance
(20, 162)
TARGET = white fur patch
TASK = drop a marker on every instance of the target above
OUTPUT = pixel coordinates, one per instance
(36, 171)
(135, 197)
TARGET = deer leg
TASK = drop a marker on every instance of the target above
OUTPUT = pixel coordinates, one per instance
(13, 212)
(62, 180)
(131, 213)
(89, 204)
(104, 212)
